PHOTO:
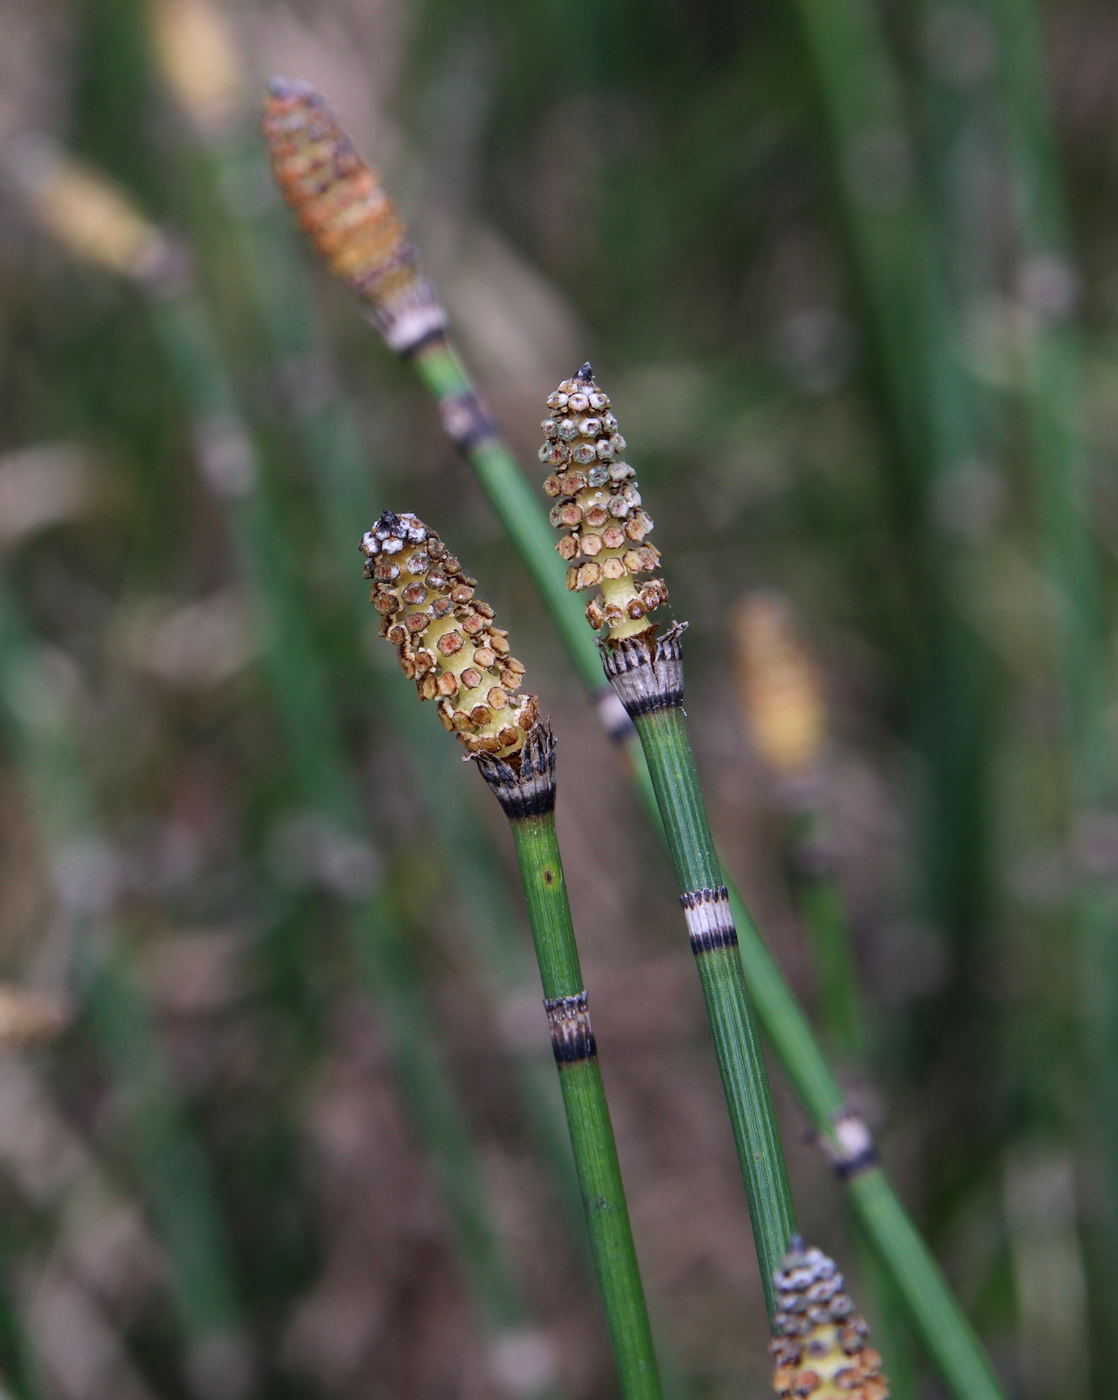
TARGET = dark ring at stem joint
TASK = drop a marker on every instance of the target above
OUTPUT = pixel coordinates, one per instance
(646, 671)
(853, 1150)
(529, 790)
(615, 719)
(571, 1036)
(430, 337)
(709, 920)
(466, 420)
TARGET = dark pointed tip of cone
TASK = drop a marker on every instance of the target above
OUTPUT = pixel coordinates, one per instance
(586, 372)
(389, 518)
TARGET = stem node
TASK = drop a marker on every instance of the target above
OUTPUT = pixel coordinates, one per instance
(646, 671)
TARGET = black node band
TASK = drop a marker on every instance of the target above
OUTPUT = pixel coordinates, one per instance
(853, 1150)
(466, 420)
(527, 790)
(646, 671)
(571, 1036)
(709, 921)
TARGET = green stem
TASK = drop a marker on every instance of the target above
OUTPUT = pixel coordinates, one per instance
(745, 1080)
(592, 1141)
(928, 406)
(824, 915)
(823, 908)
(20, 1376)
(898, 1244)
(939, 1321)
(825, 922)
(170, 1160)
(1080, 618)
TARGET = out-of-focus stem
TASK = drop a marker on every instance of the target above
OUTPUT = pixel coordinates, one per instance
(1079, 623)
(928, 410)
(121, 239)
(41, 734)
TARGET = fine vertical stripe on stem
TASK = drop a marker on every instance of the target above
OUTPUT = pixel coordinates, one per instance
(596, 492)
(598, 506)
(662, 728)
(580, 1078)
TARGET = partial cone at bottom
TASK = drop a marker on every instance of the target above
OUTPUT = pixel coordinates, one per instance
(821, 1347)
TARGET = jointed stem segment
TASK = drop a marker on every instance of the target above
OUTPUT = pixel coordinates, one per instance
(714, 941)
(528, 798)
(940, 1322)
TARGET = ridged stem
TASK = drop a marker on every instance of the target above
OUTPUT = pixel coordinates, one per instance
(745, 1080)
(592, 1140)
(937, 1317)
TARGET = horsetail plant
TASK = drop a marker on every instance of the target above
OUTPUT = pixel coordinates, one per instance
(448, 644)
(647, 672)
(598, 506)
(323, 179)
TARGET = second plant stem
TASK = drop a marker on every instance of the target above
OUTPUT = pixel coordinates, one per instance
(737, 1043)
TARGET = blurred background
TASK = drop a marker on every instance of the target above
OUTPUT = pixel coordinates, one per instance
(277, 1113)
